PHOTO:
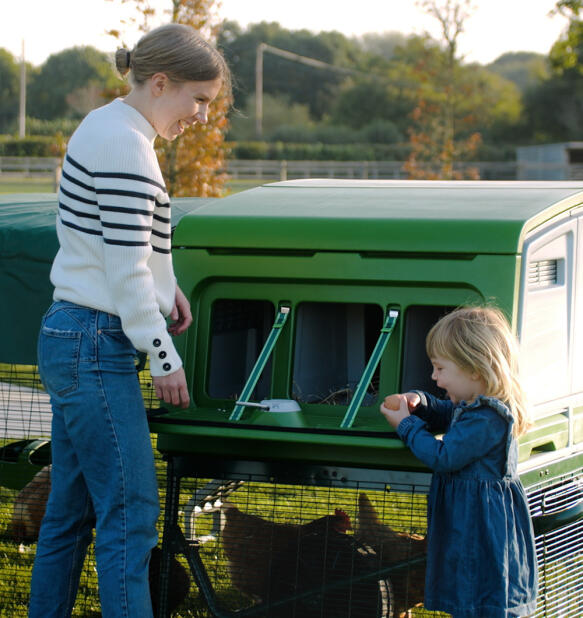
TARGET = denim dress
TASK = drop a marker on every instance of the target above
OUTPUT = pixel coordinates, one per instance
(481, 557)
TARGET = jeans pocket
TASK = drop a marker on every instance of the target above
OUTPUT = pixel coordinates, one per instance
(58, 360)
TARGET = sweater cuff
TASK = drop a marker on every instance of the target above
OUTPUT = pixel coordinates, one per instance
(164, 359)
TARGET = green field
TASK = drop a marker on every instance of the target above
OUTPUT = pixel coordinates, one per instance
(45, 185)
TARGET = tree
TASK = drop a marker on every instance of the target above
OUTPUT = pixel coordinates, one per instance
(9, 91)
(67, 78)
(525, 69)
(193, 164)
(284, 78)
(440, 117)
(277, 114)
(555, 106)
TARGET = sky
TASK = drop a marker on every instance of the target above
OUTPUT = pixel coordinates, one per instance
(494, 27)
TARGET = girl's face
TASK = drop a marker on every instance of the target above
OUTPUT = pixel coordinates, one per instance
(459, 384)
(180, 105)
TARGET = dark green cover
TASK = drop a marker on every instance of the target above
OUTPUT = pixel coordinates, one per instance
(28, 245)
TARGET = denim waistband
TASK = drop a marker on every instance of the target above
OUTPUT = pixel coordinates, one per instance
(88, 315)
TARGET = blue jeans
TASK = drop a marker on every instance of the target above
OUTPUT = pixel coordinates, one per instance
(103, 473)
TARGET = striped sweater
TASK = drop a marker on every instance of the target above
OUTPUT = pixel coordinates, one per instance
(114, 230)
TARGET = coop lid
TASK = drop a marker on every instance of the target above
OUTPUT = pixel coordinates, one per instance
(384, 216)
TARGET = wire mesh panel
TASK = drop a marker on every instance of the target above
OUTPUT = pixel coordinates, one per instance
(305, 548)
(560, 552)
(25, 428)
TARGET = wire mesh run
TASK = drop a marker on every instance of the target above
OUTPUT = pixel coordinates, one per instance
(295, 547)
(25, 430)
(296, 550)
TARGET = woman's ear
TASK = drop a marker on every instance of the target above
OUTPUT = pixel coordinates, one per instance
(158, 84)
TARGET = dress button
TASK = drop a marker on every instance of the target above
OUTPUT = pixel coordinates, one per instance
(166, 366)
(157, 343)
(162, 354)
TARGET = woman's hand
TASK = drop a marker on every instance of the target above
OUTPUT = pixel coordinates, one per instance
(397, 407)
(180, 314)
(172, 388)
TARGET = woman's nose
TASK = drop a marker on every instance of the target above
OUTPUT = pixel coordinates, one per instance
(202, 115)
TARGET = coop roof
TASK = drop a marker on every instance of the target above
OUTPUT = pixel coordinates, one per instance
(386, 216)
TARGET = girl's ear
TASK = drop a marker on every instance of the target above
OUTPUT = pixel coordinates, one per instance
(158, 84)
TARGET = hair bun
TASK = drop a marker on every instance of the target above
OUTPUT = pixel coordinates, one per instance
(123, 59)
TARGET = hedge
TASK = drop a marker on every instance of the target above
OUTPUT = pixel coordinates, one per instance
(33, 146)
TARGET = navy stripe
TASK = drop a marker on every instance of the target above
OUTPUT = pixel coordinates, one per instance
(160, 234)
(78, 198)
(162, 219)
(163, 204)
(114, 174)
(129, 177)
(159, 250)
(77, 165)
(129, 211)
(125, 243)
(125, 226)
(144, 196)
(82, 229)
(78, 213)
(78, 182)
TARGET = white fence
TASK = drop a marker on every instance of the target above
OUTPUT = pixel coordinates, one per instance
(269, 170)
(288, 170)
(41, 167)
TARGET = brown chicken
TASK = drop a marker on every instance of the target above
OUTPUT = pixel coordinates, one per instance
(30, 505)
(408, 584)
(251, 544)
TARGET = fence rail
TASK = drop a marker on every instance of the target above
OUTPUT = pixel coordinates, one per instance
(288, 170)
(270, 170)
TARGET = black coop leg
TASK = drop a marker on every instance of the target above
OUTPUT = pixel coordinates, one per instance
(170, 524)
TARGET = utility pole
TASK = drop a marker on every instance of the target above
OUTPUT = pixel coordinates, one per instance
(264, 47)
(259, 90)
(22, 106)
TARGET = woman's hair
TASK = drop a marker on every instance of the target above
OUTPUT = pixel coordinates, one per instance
(177, 51)
(479, 340)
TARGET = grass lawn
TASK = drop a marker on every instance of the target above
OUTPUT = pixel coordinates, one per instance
(45, 185)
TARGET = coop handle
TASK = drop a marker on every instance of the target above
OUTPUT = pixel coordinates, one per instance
(543, 524)
(252, 404)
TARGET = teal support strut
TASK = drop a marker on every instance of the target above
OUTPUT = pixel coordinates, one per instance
(261, 361)
(373, 361)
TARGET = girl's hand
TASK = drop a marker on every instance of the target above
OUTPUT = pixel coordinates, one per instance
(180, 314)
(393, 402)
(397, 407)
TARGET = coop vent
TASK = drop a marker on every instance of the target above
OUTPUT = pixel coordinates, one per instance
(543, 274)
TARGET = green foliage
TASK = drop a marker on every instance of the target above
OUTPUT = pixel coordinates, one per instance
(306, 85)
(49, 146)
(9, 91)
(525, 69)
(277, 111)
(555, 107)
(63, 126)
(319, 151)
(70, 83)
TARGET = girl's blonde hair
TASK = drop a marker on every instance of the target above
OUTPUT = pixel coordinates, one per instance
(177, 51)
(479, 340)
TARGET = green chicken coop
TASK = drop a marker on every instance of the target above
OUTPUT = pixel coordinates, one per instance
(287, 493)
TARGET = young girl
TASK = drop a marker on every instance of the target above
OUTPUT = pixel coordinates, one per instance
(481, 559)
(114, 288)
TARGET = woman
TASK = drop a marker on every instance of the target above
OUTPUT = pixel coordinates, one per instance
(114, 285)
